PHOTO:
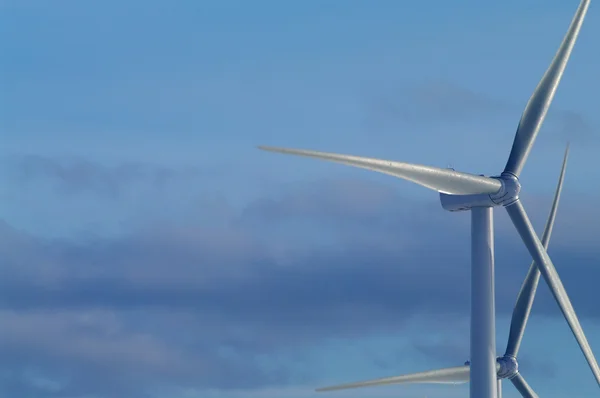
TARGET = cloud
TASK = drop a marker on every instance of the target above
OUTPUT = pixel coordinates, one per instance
(68, 348)
(173, 307)
(441, 104)
(76, 176)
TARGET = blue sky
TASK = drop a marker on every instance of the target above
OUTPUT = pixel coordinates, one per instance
(150, 250)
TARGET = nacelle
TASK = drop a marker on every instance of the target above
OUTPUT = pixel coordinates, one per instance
(507, 195)
(465, 202)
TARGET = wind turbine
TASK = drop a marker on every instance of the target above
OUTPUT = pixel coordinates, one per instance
(479, 194)
(506, 366)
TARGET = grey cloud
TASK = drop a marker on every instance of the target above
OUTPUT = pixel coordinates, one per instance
(444, 104)
(200, 307)
(106, 354)
(72, 175)
(449, 350)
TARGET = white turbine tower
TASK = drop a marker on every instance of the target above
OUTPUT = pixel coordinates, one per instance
(479, 194)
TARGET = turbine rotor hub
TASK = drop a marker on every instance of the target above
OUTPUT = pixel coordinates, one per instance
(509, 193)
(509, 367)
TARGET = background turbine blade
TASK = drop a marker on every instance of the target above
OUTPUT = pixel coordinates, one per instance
(536, 249)
(441, 180)
(539, 103)
(527, 294)
(455, 375)
(522, 386)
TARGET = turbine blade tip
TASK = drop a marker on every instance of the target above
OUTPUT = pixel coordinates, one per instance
(268, 148)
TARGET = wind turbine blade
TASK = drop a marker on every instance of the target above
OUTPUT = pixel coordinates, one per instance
(442, 180)
(455, 375)
(539, 103)
(536, 249)
(527, 294)
(524, 388)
